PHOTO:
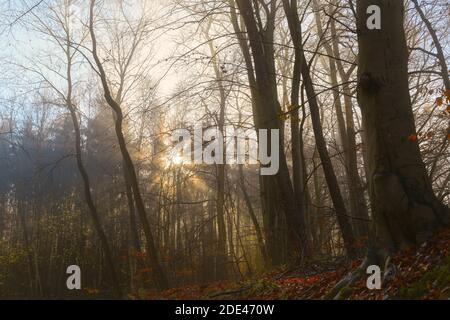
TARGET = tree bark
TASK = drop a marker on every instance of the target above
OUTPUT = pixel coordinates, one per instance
(405, 208)
(264, 94)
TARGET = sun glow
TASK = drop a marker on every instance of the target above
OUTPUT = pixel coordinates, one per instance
(176, 160)
(173, 160)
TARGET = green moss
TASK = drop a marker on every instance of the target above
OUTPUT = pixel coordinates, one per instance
(438, 278)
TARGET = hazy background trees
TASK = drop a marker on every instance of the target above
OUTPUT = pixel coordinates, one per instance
(108, 107)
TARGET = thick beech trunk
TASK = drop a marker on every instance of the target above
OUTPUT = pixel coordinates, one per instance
(404, 205)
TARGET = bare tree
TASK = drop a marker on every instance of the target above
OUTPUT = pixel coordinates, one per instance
(158, 273)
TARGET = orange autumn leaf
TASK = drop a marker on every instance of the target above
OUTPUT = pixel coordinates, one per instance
(439, 101)
(447, 94)
(412, 137)
(92, 291)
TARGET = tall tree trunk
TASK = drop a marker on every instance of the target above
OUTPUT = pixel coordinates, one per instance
(27, 244)
(253, 218)
(267, 116)
(405, 208)
(330, 176)
(298, 160)
(222, 255)
(268, 191)
(85, 177)
(159, 275)
(92, 208)
(358, 203)
(358, 208)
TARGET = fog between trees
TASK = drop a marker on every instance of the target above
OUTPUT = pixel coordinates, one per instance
(92, 91)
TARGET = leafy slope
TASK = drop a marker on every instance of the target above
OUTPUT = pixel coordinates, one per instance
(421, 273)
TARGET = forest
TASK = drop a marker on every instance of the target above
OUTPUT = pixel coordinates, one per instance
(347, 102)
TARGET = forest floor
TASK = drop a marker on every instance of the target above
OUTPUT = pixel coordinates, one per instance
(421, 273)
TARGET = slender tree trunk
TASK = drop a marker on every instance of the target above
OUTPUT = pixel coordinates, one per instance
(358, 208)
(298, 160)
(159, 275)
(253, 218)
(268, 117)
(85, 177)
(268, 190)
(444, 73)
(222, 255)
(330, 176)
(439, 51)
(28, 249)
(134, 236)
